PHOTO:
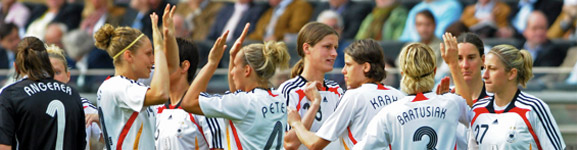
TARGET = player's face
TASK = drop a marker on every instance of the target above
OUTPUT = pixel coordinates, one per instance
(238, 71)
(60, 73)
(143, 60)
(353, 73)
(470, 62)
(322, 55)
(425, 27)
(495, 76)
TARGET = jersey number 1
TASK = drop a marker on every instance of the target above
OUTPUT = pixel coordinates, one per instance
(425, 130)
(277, 132)
(56, 109)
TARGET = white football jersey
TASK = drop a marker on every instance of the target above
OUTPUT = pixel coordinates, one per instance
(422, 121)
(463, 130)
(356, 109)
(93, 131)
(125, 122)
(525, 123)
(256, 118)
(294, 95)
(177, 129)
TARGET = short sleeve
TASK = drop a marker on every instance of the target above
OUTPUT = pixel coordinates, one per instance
(230, 106)
(377, 135)
(133, 96)
(466, 114)
(336, 124)
(7, 123)
(88, 107)
(214, 130)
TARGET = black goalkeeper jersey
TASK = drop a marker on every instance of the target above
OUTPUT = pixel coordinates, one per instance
(44, 114)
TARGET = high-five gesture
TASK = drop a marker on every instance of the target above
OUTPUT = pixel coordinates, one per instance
(233, 53)
(449, 52)
(158, 40)
(449, 48)
(190, 102)
(170, 42)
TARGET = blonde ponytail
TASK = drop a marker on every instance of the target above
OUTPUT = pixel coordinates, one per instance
(265, 58)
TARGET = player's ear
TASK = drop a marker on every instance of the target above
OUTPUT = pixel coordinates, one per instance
(185, 66)
(366, 67)
(127, 55)
(248, 70)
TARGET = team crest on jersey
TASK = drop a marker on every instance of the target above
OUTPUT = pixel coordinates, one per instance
(512, 135)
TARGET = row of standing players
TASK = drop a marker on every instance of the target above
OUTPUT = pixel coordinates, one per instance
(257, 117)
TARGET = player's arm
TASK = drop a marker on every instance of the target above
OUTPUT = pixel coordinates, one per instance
(233, 53)
(191, 100)
(292, 139)
(170, 41)
(158, 92)
(546, 128)
(307, 138)
(449, 52)
(5, 147)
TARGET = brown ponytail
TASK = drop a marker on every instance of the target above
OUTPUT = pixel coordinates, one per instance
(32, 60)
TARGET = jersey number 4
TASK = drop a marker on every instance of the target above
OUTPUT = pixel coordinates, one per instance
(276, 133)
(425, 130)
(56, 109)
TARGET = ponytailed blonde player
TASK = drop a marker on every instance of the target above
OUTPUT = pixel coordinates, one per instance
(363, 70)
(512, 119)
(423, 119)
(256, 114)
(316, 44)
(177, 129)
(126, 118)
(94, 140)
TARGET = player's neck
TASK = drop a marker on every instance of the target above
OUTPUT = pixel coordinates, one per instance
(311, 74)
(476, 87)
(119, 71)
(505, 96)
(178, 90)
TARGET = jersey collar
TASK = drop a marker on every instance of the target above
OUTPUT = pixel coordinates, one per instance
(490, 106)
(324, 84)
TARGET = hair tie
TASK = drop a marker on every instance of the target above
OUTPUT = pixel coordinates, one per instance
(133, 42)
(425, 75)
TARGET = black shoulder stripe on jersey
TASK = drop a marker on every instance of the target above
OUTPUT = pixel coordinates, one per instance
(544, 117)
(218, 136)
(212, 131)
(84, 100)
(107, 143)
(290, 85)
(481, 102)
(298, 83)
(331, 82)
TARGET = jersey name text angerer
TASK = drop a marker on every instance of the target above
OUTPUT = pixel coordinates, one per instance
(36, 87)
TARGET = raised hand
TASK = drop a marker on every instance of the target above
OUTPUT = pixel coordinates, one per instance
(170, 42)
(444, 86)
(449, 49)
(158, 40)
(168, 19)
(218, 49)
(239, 42)
(233, 53)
